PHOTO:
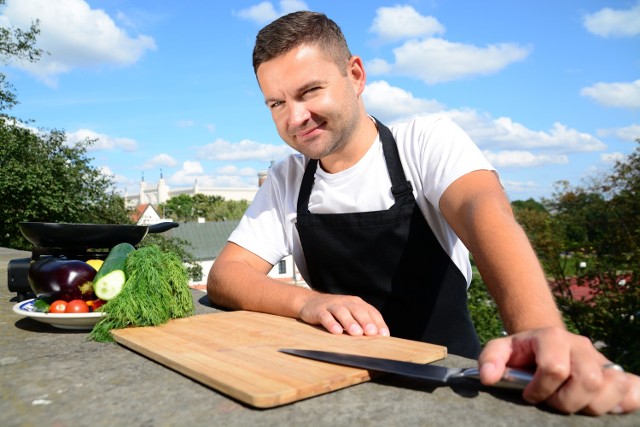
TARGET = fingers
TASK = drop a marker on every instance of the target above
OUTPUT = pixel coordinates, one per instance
(570, 374)
(631, 400)
(615, 384)
(341, 313)
(494, 359)
(555, 356)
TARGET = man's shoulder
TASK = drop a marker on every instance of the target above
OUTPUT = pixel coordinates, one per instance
(422, 122)
(292, 165)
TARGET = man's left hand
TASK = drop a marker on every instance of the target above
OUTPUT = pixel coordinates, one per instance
(571, 375)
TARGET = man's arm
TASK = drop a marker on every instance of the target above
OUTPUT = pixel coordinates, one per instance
(238, 280)
(480, 214)
(569, 372)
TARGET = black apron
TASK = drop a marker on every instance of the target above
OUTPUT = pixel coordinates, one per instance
(392, 260)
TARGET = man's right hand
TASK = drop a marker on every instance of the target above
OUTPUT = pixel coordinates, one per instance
(238, 280)
(343, 313)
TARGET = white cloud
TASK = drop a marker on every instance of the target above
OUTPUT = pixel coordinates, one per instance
(193, 171)
(401, 22)
(628, 133)
(186, 123)
(620, 95)
(519, 186)
(243, 150)
(288, 6)
(506, 132)
(508, 143)
(160, 160)
(75, 36)
(614, 23)
(234, 170)
(102, 141)
(503, 159)
(393, 102)
(265, 12)
(612, 158)
(116, 178)
(436, 60)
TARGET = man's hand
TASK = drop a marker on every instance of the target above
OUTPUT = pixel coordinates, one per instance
(343, 313)
(570, 373)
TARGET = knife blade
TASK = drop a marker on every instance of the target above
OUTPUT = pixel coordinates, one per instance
(512, 379)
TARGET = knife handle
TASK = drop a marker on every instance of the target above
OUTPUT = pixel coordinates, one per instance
(515, 379)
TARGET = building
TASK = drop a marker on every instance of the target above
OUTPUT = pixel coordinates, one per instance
(160, 193)
(145, 215)
(207, 240)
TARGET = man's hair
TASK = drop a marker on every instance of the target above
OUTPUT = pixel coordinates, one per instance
(301, 28)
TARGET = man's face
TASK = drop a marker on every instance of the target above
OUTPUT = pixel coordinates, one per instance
(314, 105)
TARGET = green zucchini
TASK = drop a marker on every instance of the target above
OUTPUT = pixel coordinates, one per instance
(110, 278)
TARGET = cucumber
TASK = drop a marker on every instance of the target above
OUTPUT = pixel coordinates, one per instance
(110, 278)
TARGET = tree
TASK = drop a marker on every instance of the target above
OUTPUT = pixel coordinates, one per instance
(43, 179)
(483, 310)
(213, 208)
(15, 43)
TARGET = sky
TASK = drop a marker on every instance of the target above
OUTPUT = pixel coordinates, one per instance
(549, 90)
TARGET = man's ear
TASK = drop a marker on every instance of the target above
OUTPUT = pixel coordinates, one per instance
(355, 71)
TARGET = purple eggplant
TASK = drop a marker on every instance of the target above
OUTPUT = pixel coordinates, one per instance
(60, 278)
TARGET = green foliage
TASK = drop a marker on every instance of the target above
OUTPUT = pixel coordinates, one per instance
(43, 179)
(483, 310)
(213, 208)
(156, 291)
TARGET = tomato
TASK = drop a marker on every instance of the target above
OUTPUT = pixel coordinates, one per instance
(58, 306)
(77, 306)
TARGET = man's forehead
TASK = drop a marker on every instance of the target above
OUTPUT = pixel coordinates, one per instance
(294, 67)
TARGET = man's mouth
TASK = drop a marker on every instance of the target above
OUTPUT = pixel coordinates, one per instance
(308, 132)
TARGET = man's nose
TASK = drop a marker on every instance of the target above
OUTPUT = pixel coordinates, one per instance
(298, 114)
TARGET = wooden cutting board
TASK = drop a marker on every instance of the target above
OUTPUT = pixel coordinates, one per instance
(237, 354)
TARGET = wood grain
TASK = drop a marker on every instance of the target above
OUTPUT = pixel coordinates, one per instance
(237, 354)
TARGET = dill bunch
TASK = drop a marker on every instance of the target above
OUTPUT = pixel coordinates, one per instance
(156, 290)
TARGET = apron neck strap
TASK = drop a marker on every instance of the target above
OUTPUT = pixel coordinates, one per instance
(399, 184)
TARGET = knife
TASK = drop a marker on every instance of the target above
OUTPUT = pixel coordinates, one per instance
(512, 378)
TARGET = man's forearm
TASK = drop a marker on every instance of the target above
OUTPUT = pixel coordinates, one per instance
(515, 279)
(235, 285)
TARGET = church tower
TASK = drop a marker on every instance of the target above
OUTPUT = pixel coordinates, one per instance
(143, 188)
(163, 190)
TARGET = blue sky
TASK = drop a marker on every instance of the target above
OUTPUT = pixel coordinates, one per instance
(549, 90)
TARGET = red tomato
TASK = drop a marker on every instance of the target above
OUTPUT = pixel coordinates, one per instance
(77, 306)
(58, 306)
(98, 303)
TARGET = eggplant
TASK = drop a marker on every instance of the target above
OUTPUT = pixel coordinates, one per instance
(60, 278)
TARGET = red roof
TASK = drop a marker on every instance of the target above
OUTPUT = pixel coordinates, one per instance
(138, 212)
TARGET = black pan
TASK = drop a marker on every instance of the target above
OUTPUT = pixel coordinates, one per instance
(64, 235)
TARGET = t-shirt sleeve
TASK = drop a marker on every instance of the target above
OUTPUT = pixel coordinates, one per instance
(448, 153)
(261, 230)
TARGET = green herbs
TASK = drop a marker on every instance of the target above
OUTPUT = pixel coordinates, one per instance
(156, 290)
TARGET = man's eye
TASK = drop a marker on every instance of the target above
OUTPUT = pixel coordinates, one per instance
(275, 104)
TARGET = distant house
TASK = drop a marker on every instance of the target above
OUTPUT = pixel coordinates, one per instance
(145, 214)
(207, 240)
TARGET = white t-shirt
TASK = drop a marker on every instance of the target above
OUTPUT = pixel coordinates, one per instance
(434, 152)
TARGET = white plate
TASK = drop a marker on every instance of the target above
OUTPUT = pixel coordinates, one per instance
(59, 320)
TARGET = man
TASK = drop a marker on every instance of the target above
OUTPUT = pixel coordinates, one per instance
(379, 222)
